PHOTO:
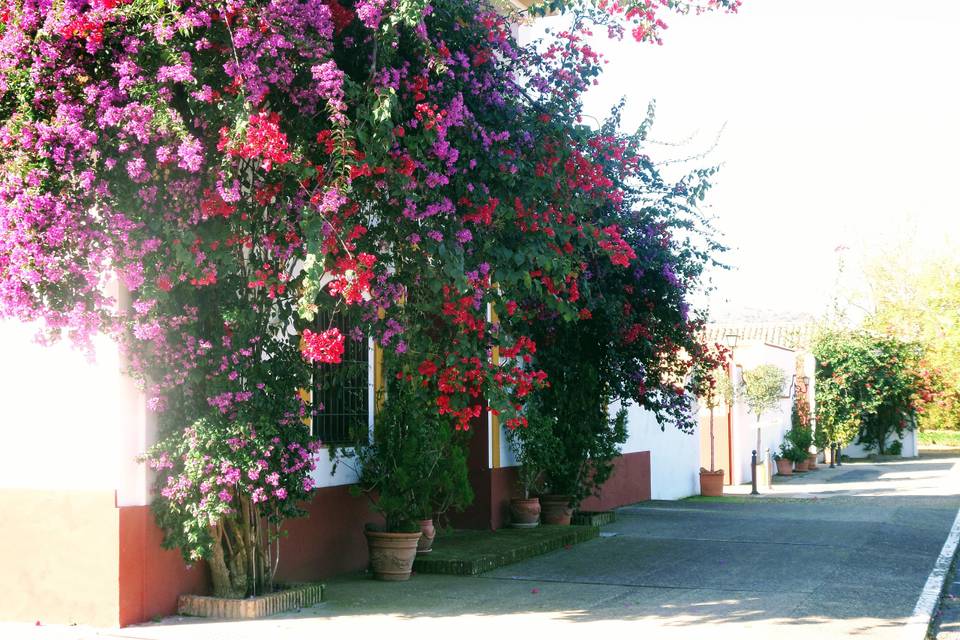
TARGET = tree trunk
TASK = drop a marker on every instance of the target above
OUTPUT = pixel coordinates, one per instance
(226, 582)
(239, 562)
(712, 456)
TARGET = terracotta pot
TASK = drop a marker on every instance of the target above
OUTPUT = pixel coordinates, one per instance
(711, 482)
(427, 533)
(812, 462)
(392, 554)
(556, 509)
(801, 467)
(784, 467)
(524, 512)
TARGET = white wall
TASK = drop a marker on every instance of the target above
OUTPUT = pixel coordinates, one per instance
(911, 446)
(61, 424)
(674, 455)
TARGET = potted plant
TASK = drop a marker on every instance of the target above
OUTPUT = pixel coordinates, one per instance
(801, 432)
(532, 446)
(711, 480)
(800, 439)
(761, 389)
(582, 462)
(784, 461)
(406, 469)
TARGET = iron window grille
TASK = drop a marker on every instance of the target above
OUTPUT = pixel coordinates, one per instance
(341, 392)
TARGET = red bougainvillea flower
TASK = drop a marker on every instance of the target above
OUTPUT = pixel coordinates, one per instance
(427, 368)
(326, 347)
(264, 139)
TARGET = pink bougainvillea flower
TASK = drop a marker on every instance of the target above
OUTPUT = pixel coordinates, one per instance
(325, 347)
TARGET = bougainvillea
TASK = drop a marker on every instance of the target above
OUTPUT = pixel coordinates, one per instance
(202, 179)
(869, 387)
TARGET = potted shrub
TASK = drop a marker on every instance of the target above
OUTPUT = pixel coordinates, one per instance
(800, 439)
(582, 462)
(797, 456)
(406, 469)
(761, 390)
(532, 446)
(801, 433)
(784, 463)
(711, 480)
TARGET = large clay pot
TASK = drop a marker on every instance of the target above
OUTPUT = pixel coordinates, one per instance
(427, 533)
(800, 467)
(556, 509)
(524, 512)
(812, 462)
(392, 554)
(711, 482)
(784, 467)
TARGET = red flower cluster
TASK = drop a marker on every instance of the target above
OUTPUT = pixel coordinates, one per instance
(264, 139)
(461, 311)
(352, 278)
(213, 206)
(620, 252)
(482, 214)
(342, 17)
(326, 347)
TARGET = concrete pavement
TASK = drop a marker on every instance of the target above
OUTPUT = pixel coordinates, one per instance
(833, 554)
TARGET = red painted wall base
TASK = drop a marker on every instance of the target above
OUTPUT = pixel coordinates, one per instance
(327, 542)
(330, 540)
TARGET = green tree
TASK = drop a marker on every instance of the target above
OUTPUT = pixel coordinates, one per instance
(868, 387)
(761, 388)
(918, 300)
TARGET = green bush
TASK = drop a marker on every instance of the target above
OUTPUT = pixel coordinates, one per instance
(416, 465)
(800, 438)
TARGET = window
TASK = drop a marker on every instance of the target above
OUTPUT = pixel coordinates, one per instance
(341, 392)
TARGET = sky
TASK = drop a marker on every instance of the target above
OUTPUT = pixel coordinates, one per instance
(836, 124)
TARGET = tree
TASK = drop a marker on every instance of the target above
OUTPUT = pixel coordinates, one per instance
(761, 389)
(915, 297)
(867, 386)
(716, 386)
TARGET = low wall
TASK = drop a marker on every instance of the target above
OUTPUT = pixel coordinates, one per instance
(58, 556)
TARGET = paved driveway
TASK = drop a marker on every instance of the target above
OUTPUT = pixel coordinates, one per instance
(837, 553)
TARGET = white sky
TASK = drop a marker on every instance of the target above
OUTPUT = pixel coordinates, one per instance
(841, 129)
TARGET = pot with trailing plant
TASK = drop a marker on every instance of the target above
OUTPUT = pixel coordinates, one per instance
(405, 469)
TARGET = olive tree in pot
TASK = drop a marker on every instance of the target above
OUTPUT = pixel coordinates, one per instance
(717, 388)
(413, 466)
(761, 389)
